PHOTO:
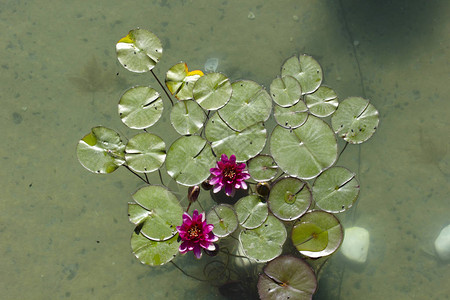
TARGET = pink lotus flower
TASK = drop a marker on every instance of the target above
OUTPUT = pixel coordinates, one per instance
(229, 174)
(196, 234)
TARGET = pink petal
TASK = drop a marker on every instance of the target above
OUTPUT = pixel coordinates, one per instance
(183, 248)
(229, 190)
(198, 251)
(217, 188)
(208, 246)
(224, 157)
(233, 159)
(208, 228)
(243, 185)
(215, 180)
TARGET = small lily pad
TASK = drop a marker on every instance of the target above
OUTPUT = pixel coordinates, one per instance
(291, 117)
(322, 102)
(145, 152)
(262, 167)
(285, 91)
(180, 81)
(309, 237)
(212, 91)
(154, 253)
(251, 211)
(306, 70)
(224, 219)
(187, 117)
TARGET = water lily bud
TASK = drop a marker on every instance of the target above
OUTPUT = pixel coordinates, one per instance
(263, 189)
(193, 192)
(206, 186)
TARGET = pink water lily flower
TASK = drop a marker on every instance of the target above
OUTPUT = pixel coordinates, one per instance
(229, 175)
(196, 234)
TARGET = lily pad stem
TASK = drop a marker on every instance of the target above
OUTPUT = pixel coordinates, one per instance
(146, 181)
(162, 86)
(184, 272)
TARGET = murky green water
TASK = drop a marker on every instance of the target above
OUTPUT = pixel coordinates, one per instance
(65, 233)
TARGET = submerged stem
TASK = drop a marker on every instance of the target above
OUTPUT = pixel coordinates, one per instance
(160, 84)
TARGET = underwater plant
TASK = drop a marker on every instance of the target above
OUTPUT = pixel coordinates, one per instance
(276, 205)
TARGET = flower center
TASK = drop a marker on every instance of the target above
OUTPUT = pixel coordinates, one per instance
(194, 232)
(229, 173)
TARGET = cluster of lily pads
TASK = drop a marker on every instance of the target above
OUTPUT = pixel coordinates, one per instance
(295, 187)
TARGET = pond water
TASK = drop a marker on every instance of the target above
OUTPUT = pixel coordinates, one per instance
(65, 232)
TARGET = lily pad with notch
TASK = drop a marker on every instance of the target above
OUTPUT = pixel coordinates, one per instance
(224, 219)
(306, 70)
(291, 117)
(323, 102)
(180, 81)
(145, 152)
(187, 117)
(262, 167)
(212, 91)
(285, 91)
(251, 211)
(154, 253)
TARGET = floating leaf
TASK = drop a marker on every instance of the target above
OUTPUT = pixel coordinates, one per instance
(139, 51)
(309, 237)
(212, 91)
(145, 152)
(180, 81)
(335, 190)
(164, 212)
(251, 211)
(154, 253)
(355, 120)
(285, 91)
(265, 242)
(291, 117)
(224, 219)
(101, 151)
(140, 107)
(262, 167)
(306, 70)
(189, 159)
(287, 277)
(187, 117)
(249, 104)
(289, 198)
(322, 102)
(305, 151)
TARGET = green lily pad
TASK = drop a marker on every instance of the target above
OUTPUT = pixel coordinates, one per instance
(189, 159)
(180, 81)
(244, 145)
(289, 198)
(212, 91)
(262, 167)
(285, 91)
(306, 70)
(249, 104)
(335, 190)
(322, 102)
(101, 151)
(145, 152)
(224, 219)
(287, 277)
(139, 51)
(309, 237)
(251, 211)
(306, 151)
(324, 222)
(140, 107)
(355, 120)
(291, 117)
(187, 117)
(265, 242)
(164, 212)
(154, 253)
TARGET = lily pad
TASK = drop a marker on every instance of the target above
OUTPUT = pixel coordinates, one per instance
(262, 167)
(244, 144)
(164, 212)
(145, 152)
(324, 222)
(139, 51)
(355, 120)
(265, 242)
(251, 211)
(187, 117)
(154, 253)
(291, 117)
(180, 81)
(189, 159)
(212, 91)
(287, 277)
(101, 151)
(140, 107)
(309, 237)
(306, 151)
(249, 104)
(285, 91)
(335, 190)
(306, 70)
(322, 102)
(224, 219)
(289, 198)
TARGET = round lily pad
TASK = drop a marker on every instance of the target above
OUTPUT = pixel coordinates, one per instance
(154, 253)
(145, 152)
(189, 159)
(101, 151)
(251, 211)
(164, 212)
(322, 102)
(306, 151)
(262, 167)
(187, 117)
(139, 51)
(224, 219)
(335, 190)
(244, 144)
(140, 107)
(249, 104)
(180, 81)
(265, 242)
(355, 120)
(287, 277)
(322, 221)
(306, 70)
(285, 91)
(289, 198)
(309, 237)
(212, 91)
(291, 117)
